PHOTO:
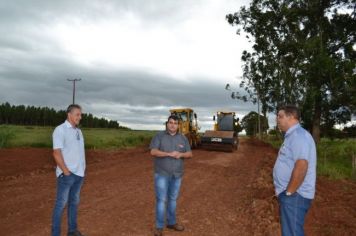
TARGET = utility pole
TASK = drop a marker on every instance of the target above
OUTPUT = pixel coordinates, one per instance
(259, 121)
(236, 95)
(74, 80)
(258, 111)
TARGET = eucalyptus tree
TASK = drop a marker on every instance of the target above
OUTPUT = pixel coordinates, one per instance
(303, 53)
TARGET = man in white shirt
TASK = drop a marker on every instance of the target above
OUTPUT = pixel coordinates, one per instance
(68, 152)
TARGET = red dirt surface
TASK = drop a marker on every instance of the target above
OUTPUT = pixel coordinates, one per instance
(221, 194)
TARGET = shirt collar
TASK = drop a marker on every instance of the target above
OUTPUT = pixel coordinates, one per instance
(166, 131)
(291, 129)
(69, 125)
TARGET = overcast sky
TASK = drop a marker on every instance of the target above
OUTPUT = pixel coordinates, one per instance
(136, 58)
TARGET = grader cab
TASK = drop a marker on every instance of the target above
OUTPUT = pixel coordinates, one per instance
(188, 125)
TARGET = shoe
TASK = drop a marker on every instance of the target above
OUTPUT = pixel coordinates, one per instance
(158, 232)
(75, 233)
(176, 227)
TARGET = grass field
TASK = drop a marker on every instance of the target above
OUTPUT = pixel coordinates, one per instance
(34, 136)
(334, 156)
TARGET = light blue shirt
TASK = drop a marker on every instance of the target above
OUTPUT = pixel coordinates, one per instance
(298, 145)
(71, 142)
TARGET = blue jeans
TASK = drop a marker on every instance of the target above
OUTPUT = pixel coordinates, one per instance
(293, 210)
(167, 190)
(68, 191)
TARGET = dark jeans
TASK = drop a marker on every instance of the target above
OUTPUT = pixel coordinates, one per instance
(293, 210)
(68, 191)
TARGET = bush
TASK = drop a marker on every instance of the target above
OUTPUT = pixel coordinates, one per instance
(334, 158)
(5, 136)
(272, 132)
(350, 131)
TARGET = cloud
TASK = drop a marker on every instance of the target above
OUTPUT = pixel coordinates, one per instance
(137, 59)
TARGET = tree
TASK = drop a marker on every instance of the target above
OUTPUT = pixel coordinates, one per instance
(302, 54)
(250, 123)
(350, 131)
(44, 116)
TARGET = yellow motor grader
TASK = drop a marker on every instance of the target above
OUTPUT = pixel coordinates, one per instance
(224, 136)
(188, 125)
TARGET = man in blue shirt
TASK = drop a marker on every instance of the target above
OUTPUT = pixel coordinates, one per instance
(294, 173)
(68, 152)
(169, 148)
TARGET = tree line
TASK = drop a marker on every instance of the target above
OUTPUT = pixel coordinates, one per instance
(45, 116)
(250, 124)
(303, 53)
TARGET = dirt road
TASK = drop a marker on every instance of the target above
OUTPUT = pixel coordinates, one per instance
(222, 194)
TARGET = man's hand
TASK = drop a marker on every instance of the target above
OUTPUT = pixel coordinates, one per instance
(57, 154)
(176, 154)
(179, 155)
(67, 173)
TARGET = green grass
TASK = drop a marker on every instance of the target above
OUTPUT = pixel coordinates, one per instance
(334, 157)
(95, 138)
(113, 138)
(5, 136)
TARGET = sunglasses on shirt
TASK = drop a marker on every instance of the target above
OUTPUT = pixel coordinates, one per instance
(78, 135)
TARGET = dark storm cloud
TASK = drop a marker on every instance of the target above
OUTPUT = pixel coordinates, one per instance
(130, 96)
(124, 87)
(42, 81)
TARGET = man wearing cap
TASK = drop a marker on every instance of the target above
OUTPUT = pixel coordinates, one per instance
(68, 153)
(169, 149)
(294, 173)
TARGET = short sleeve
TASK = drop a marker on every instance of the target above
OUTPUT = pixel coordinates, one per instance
(186, 144)
(300, 149)
(58, 138)
(155, 142)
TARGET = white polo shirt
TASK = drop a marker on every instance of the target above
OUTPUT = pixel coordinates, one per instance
(71, 142)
